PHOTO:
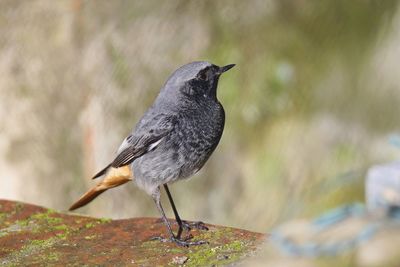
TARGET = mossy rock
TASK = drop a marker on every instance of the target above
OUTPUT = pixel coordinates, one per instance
(32, 235)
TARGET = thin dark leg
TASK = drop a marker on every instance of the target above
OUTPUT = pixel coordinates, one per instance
(173, 238)
(156, 199)
(177, 218)
(182, 224)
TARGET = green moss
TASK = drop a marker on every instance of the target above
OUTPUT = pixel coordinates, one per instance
(42, 222)
(206, 255)
(97, 222)
(62, 236)
(19, 226)
(90, 225)
(41, 243)
(37, 249)
(46, 216)
(61, 227)
(36, 223)
(220, 255)
(40, 250)
(51, 257)
(22, 223)
(3, 216)
(105, 220)
(67, 230)
(49, 211)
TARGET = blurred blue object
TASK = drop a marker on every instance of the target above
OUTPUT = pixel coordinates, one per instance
(383, 189)
(310, 248)
(337, 215)
(394, 140)
(383, 203)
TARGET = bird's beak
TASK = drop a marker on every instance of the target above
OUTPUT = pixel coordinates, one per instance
(226, 68)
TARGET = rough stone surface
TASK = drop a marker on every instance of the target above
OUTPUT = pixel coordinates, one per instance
(32, 235)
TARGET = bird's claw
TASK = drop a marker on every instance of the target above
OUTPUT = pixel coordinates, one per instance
(180, 242)
(194, 225)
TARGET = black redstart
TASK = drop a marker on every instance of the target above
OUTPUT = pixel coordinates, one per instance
(172, 141)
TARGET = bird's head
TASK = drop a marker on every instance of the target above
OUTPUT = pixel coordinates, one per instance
(195, 80)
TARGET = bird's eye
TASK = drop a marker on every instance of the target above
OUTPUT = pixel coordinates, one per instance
(202, 76)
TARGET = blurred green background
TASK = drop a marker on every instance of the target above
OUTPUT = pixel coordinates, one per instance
(309, 106)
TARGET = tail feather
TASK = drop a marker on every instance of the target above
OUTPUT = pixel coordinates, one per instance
(102, 172)
(114, 177)
(86, 198)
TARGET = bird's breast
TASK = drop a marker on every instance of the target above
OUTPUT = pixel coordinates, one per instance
(184, 150)
(197, 136)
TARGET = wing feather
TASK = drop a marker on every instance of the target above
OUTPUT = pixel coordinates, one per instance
(145, 138)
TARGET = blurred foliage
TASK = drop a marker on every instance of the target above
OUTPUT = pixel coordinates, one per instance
(313, 96)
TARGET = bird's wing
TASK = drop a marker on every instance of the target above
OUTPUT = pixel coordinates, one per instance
(146, 137)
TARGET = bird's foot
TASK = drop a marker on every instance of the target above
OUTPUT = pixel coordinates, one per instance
(194, 225)
(180, 242)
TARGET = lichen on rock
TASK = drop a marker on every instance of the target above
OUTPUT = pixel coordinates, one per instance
(34, 235)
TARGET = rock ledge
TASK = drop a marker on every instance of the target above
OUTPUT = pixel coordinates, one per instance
(34, 235)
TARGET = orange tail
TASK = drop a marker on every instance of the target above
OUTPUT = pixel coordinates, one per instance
(114, 177)
(86, 198)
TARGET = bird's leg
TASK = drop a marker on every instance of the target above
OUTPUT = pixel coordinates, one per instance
(173, 238)
(177, 218)
(183, 224)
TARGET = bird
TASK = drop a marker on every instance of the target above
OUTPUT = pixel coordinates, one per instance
(172, 141)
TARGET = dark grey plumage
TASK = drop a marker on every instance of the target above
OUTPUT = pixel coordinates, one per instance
(191, 120)
(176, 135)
